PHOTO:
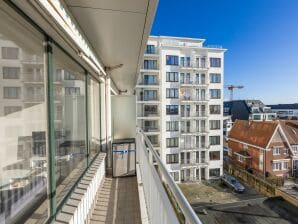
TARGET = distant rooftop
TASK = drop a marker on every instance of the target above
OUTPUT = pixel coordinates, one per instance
(293, 106)
(187, 42)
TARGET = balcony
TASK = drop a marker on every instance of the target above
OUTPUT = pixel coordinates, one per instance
(164, 199)
(186, 66)
(148, 115)
(33, 78)
(151, 129)
(147, 84)
(187, 83)
(30, 59)
(151, 196)
(200, 114)
(148, 99)
(200, 67)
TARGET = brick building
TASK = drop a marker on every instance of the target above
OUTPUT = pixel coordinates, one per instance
(262, 147)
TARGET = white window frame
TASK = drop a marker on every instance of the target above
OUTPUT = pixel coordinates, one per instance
(274, 151)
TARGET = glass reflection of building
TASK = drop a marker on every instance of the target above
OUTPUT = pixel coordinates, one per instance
(23, 121)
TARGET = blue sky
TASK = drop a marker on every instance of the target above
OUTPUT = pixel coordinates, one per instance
(261, 37)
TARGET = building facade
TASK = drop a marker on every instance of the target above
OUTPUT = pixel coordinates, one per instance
(179, 105)
(286, 111)
(248, 110)
(264, 147)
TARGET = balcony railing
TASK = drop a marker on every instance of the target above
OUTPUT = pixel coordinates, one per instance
(164, 199)
(146, 83)
(142, 98)
(151, 129)
(151, 114)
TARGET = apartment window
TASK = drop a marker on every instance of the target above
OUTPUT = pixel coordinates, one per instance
(188, 61)
(185, 61)
(10, 52)
(172, 109)
(12, 92)
(150, 49)
(185, 126)
(172, 126)
(11, 72)
(172, 93)
(11, 109)
(150, 109)
(188, 158)
(182, 158)
(172, 77)
(197, 157)
(226, 110)
(175, 175)
(215, 78)
(75, 91)
(172, 142)
(286, 152)
(214, 172)
(257, 117)
(150, 64)
(182, 61)
(215, 93)
(150, 95)
(214, 124)
(276, 166)
(154, 140)
(172, 60)
(185, 78)
(185, 110)
(172, 158)
(150, 80)
(203, 156)
(215, 62)
(214, 155)
(186, 142)
(214, 109)
(203, 79)
(214, 140)
(69, 76)
(276, 151)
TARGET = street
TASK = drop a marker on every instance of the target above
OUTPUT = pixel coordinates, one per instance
(217, 204)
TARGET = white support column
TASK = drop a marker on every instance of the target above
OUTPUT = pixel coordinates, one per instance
(103, 129)
(108, 122)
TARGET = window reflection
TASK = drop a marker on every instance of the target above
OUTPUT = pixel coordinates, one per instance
(70, 122)
(23, 166)
(94, 116)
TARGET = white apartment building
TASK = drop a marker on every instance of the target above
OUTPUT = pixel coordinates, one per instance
(179, 105)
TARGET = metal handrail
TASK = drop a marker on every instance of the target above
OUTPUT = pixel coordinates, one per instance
(184, 205)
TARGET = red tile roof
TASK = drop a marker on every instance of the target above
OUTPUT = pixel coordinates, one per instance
(290, 128)
(256, 133)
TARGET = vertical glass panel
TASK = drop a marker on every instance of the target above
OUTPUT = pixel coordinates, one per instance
(70, 122)
(23, 122)
(94, 117)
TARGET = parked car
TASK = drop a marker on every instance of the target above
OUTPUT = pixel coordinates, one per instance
(233, 183)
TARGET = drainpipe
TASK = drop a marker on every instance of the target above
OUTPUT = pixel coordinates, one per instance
(264, 163)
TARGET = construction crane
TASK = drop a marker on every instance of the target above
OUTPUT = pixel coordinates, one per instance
(231, 89)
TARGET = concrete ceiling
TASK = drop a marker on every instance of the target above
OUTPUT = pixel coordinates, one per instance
(118, 32)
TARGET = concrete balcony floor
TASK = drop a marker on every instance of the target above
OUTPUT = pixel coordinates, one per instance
(117, 202)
